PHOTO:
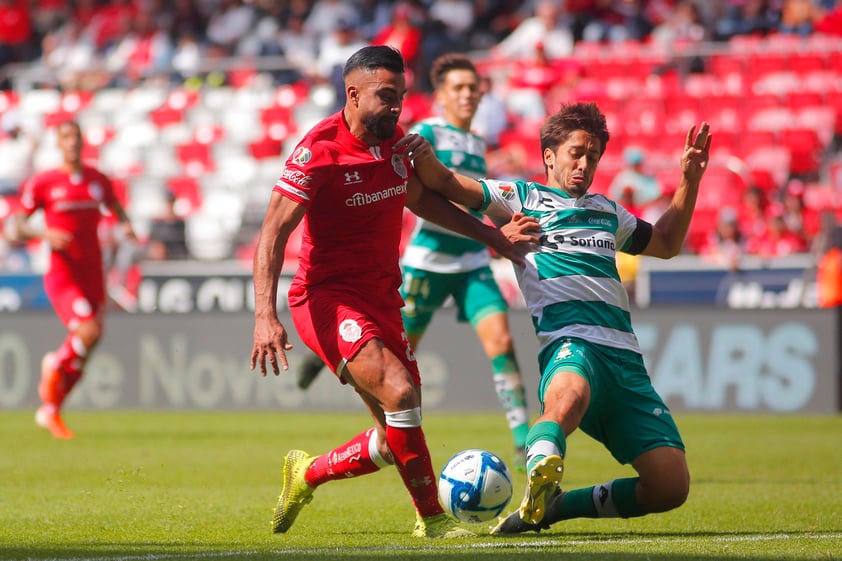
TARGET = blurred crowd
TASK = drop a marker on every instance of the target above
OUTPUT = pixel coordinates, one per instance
(93, 43)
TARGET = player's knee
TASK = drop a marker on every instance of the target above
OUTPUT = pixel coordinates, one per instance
(667, 494)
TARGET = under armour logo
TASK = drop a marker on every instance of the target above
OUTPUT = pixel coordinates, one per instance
(352, 177)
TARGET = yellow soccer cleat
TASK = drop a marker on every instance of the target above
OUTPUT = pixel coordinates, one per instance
(439, 526)
(296, 493)
(544, 481)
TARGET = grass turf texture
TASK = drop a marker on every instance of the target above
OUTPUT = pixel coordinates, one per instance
(161, 486)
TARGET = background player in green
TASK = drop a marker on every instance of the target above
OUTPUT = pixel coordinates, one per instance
(439, 263)
(593, 375)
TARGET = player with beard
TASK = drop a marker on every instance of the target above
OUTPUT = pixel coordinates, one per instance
(349, 185)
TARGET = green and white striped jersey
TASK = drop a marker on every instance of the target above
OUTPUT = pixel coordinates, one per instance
(431, 247)
(570, 282)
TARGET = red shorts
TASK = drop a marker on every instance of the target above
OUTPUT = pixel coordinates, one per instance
(337, 325)
(76, 297)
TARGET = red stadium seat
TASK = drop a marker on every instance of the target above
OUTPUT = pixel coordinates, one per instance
(266, 147)
(187, 191)
(196, 158)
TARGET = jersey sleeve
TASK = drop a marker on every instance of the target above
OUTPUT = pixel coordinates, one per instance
(31, 198)
(304, 172)
(632, 233)
(501, 199)
(422, 128)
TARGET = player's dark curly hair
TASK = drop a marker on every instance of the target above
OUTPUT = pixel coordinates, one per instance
(447, 62)
(374, 57)
(571, 117)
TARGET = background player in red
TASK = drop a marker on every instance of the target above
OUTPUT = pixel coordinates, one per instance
(72, 198)
(349, 185)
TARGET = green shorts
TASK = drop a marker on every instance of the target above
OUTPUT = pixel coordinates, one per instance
(625, 413)
(475, 294)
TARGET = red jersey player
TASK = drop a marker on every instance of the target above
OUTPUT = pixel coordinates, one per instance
(349, 184)
(72, 197)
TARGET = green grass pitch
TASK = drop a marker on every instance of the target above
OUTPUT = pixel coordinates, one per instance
(152, 486)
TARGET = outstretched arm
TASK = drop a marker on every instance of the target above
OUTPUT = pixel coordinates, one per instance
(436, 176)
(432, 206)
(669, 231)
(270, 336)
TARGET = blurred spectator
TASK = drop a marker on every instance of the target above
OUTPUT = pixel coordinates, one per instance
(298, 46)
(110, 21)
(18, 148)
(646, 188)
(69, 51)
(231, 21)
(15, 32)
(326, 16)
(334, 50)
(627, 200)
(681, 32)
(493, 20)
(744, 17)
(167, 235)
(144, 51)
(752, 212)
(617, 21)
(402, 34)
(726, 245)
(457, 16)
(799, 16)
(653, 210)
(777, 240)
(491, 118)
(187, 58)
(804, 221)
(547, 27)
(185, 19)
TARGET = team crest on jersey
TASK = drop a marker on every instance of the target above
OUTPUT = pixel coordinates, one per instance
(507, 190)
(398, 165)
(302, 155)
(350, 331)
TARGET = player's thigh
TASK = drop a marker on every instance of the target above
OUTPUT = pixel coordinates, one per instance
(564, 391)
(74, 302)
(423, 293)
(626, 414)
(338, 326)
(478, 296)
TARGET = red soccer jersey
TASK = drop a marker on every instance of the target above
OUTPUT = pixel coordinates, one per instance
(355, 195)
(71, 202)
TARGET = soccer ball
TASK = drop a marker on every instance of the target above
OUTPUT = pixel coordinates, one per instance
(475, 486)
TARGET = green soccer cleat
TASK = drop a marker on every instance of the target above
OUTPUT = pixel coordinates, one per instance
(544, 480)
(439, 526)
(514, 524)
(296, 493)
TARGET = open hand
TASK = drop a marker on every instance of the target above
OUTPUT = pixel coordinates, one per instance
(694, 160)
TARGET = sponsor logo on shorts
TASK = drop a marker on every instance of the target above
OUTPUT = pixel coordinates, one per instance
(350, 331)
(564, 352)
(302, 155)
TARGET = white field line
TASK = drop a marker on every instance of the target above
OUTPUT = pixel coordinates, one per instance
(495, 544)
